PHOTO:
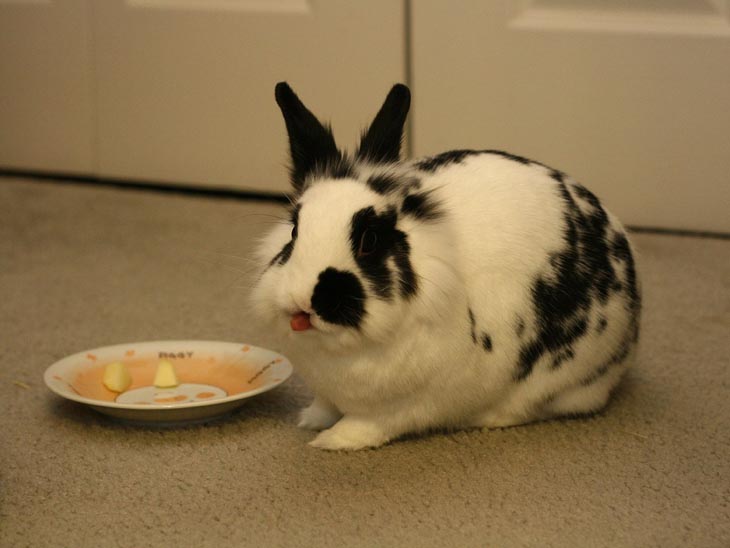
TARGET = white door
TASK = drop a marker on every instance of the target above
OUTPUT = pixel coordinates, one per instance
(632, 97)
(185, 88)
(46, 102)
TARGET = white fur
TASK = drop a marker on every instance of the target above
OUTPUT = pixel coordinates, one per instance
(413, 366)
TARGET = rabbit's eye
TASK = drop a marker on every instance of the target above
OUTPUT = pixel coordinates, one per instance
(368, 243)
(294, 232)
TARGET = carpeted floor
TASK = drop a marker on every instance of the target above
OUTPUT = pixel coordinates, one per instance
(82, 267)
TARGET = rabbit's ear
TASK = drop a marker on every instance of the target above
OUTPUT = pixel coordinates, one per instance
(381, 142)
(312, 144)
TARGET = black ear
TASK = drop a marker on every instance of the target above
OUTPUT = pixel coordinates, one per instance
(381, 142)
(312, 144)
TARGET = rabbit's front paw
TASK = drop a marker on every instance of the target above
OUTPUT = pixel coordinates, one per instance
(350, 434)
(319, 415)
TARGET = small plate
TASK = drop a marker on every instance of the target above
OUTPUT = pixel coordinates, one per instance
(215, 378)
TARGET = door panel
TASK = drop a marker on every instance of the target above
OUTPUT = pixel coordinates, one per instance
(46, 106)
(186, 87)
(630, 97)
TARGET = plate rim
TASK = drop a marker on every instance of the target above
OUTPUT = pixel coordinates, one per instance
(50, 371)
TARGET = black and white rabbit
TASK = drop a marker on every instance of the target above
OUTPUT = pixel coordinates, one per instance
(475, 288)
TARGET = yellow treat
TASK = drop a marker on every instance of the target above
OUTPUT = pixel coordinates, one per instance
(165, 376)
(117, 377)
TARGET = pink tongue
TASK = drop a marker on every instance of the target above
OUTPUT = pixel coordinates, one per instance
(300, 321)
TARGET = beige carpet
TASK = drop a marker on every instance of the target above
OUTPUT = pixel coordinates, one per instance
(82, 267)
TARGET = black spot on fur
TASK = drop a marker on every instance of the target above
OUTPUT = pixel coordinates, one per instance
(487, 342)
(582, 273)
(457, 156)
(622, 251)
(390, 242)
(601, 326)
(620, 247)
(402, 258)
(510, 156)
(592, 241)
(374, 265)
(561, 302)
(520, 327)
(339, 298)
(422, 206)
(445, 158)
(383, 184)
(587, 195)
(559, 176)
(553, 339)
(562, 356)
(473, 326)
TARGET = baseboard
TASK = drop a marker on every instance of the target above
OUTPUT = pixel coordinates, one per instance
(149, 186)
(678, 232)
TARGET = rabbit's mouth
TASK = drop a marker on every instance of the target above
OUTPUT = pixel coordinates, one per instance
(300, 321)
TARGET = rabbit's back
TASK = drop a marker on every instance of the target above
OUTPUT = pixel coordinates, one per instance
(549, 274)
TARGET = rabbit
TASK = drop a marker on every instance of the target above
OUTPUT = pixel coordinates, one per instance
(470, 289)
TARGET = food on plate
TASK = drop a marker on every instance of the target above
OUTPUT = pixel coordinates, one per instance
(165, 376)
(117, 377)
